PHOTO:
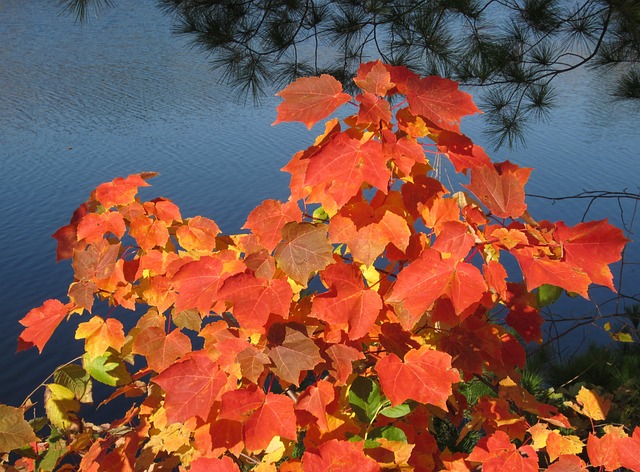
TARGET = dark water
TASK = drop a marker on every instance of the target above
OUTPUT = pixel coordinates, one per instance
(82, 105)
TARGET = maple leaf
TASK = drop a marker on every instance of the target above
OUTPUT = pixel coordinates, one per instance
(262, 416)
(98, 261)
(254, 299)
(197, 284)
(603, 451)
(344, 163)
(252, 363)
(296, 353)
(342, 358)
(425, 376)
(315, 400)
(40, 323)
(439, 101)
(267, 220)
(367, 242)
(100, 335)
(592, 405)
(121, 191)
(558, 445)
(95, 226)
(161, 349)
(375, 78)
(67, 235)
(497, 454)
(149, 232)
(303, 250)
(428, 278)
(310, 99)
(81, 293)
(207, 464)
(15, 431)
(199, 234)
(568, 463)
(373, 110)
(348, 303)
(627, 449)
(345, 456)
(501, 188)
(539, 270)
(191, 386)
(592, 246)
(461, 151)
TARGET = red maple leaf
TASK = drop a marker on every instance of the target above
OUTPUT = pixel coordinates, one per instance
(267, 220)
(344, 163)
(198, 282)
(592, 246)
(539, 270)
(67, 235)
(199, 234)
(40, 323)
(501, 188)
(207, 464)
(192, 386)
(425, 376)
(161, 349)
(254, 299)
(121, 191)
(461, 151)
(310, 99)
(439, 101)
(262, 416)
(315, 400)
(428, 278)
(375, 78)
(348, 304)
(343, 456)
(497, 454)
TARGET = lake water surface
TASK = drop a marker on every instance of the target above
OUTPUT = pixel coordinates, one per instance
(122, 94)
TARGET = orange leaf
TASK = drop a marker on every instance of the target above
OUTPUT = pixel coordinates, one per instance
(303, 250)
(500, 188)
(375, 78)
(100, 335)
(348, 304)
(40, 323)
(161, 349)
(198, 235)
(310, 99)
(343, 456)
(191, 386)
(267, 220)
(121, 191)
(425, 376)
(439, 101)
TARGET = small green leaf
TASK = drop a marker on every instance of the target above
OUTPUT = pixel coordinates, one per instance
(320, 215)
(548, 294)
(76, 379)
(108, 369)
(368, 443)
(55, 451)
(15, 432)
(365, 398)
(397, 411)
(389, 432)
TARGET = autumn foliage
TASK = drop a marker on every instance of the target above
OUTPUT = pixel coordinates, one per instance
(337, 333)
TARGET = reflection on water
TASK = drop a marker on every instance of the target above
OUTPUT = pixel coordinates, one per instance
(82, 105)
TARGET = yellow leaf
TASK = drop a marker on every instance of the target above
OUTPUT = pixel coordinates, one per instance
(558, 445)
(592, 405)
(61, 405)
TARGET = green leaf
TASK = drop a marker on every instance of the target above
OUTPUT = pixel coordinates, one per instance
(548, 294)
(397, 411)
(320, 215)
(389, 432)
(368, 443)
(365, 399)
(15, 431)
(61, 406)
(55, 451)
(108, 369)
(76, 379)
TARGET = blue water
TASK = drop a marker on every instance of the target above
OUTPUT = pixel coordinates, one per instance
(80, 105)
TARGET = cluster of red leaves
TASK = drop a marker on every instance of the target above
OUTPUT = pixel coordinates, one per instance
(258, 342)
